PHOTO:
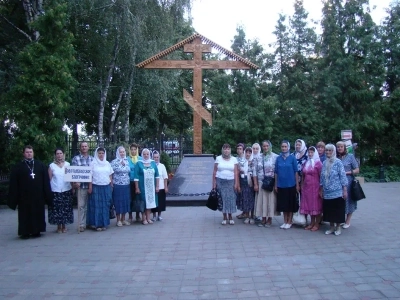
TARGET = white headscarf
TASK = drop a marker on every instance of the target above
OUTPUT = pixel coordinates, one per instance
(117, 155)
(146, 161)
(97, 159)
(329, 161)
(311, 161)
(303, 149)
(258, 155)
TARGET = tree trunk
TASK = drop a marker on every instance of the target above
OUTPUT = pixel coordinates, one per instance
(111, 134)
(128, 103)
(33, 9)
(104, 91)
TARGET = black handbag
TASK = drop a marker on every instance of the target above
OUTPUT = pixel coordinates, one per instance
(212, 202)
(112, 212)
(356, 190)
(268, 182)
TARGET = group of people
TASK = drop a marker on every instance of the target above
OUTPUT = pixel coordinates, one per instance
(129, 184)
(312, 180)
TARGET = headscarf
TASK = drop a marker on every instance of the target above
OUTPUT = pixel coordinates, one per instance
(303, 149)
(134, 158)
(286, 154)
(149, 160)
(97, 159)
(341, 155)
(269, 148)
(55, 156)
(156, 152)
(329, 161)
(222, 151)
(117, 155)
(311, 161)
(258, 155)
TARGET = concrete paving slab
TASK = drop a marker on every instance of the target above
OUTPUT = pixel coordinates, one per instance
(190, 255)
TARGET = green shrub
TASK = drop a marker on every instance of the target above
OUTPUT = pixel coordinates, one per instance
(166, 160)
(371, 173)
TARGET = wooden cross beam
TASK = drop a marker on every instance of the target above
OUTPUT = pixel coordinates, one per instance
(197, 64)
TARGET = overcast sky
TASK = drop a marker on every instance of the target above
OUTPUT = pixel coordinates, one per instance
(218, 19)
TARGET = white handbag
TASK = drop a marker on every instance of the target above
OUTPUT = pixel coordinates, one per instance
(298, 218)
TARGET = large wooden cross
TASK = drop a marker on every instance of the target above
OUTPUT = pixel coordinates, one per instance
(194, 44)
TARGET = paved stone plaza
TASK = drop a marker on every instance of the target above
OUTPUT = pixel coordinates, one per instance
(190, 255)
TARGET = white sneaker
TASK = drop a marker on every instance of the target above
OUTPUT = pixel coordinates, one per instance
(330, 231)
(338, 231)
(223, 222)
(288, 226)
(231, 222)
(283, 226)
(125, 222)
(252, 222)
(119, 224)
(154, 219)
(159, 219)
(246, 221)
(345, 226)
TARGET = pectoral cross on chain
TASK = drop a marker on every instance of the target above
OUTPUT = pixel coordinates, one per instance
(33, 175)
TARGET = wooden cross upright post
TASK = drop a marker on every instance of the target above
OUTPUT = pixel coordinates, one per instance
(194, 44)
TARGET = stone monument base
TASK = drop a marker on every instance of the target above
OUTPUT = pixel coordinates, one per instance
(192, 181)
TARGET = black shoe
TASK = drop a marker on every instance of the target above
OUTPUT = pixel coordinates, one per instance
(24, 237)
(36, 235)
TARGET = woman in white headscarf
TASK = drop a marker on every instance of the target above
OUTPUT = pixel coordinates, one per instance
(99, 202)
(147, 184)
(121, 190)
(333, 189)
(301, 155)
(311, 201)
(163, 188)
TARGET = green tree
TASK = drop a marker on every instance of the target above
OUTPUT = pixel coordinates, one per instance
(42, 93)
(350, 72)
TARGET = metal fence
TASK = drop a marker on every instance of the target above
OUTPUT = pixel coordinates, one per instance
(175, 147)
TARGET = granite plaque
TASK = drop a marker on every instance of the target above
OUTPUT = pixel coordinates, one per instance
(192, 181)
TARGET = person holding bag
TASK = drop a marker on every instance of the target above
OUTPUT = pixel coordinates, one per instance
(264, 183)
(351, 167)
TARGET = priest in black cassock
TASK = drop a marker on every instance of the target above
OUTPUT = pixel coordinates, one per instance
(30, 191)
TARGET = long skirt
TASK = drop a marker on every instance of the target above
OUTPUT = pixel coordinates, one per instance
(245, 199)
(161, 202)
(266, 203)
(98, 207)
(137, 205)
(61, 212)
(121, 198)
(334, 210)
(228, 195)
(287, 201)
(351, 205)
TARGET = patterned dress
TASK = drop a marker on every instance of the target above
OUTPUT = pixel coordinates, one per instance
(225, 179)
(245, 199)
(146, 176)
(121, 190)
(349, 163)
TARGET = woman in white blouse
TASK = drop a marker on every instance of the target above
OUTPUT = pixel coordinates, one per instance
(226, 180)
(99, 202)
(61, 212)
(163, 188)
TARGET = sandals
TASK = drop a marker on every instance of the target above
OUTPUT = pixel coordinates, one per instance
(315, 228)
(241, 216)
(309, 227)
(150, 221)
(145, 222)
(64, 230)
